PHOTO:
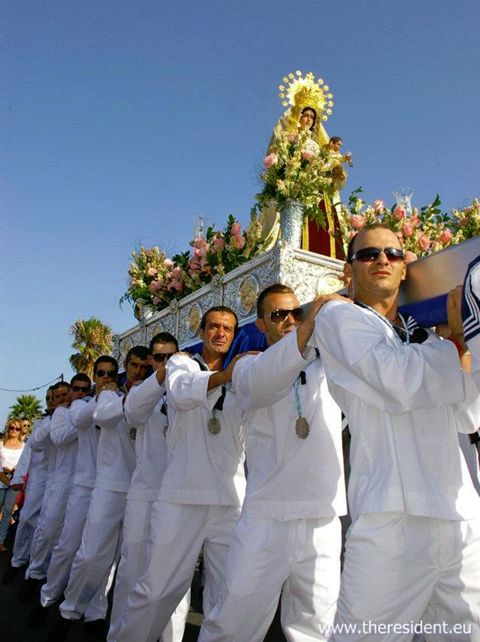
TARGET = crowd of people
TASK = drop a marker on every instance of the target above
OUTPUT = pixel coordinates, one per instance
(243, 463)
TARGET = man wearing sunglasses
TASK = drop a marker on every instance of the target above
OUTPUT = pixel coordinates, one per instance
(35, 463)
(413, 550)
(63, 451)
(287, 541)
(105, 371)
(145, 408)
(101, 534)
(202, 485)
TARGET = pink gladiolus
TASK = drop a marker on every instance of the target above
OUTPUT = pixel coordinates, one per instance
(156, 300)
(445, 237)
(407, 230)
(199, 242)
(398, 213)
(168, 263)
(463, 222)
(236, 229)
(219, 243)
(377, 205)
(357, 222)
(271, 159)
(152, 271)
(424, 242)
(410, 256)
(239, 241)
(292, 138)
(308, 155)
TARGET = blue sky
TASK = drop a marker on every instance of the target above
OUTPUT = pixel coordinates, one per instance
(120, 121)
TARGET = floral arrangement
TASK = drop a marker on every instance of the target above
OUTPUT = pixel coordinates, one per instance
(155, 279)
(294, 171)
(422, 231)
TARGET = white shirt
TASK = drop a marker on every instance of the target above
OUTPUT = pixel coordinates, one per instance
(143, 409)
(34, 460)
(64, 437)
(88, 438)
(116, 446)
(40, 442)
(289, 477)
(403, 405)
(202, 468)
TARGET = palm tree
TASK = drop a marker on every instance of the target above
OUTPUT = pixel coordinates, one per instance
(92, 338)
(26, 407)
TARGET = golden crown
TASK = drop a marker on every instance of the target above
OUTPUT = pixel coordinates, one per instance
(301, 92)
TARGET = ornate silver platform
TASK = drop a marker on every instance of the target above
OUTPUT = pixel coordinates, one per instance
(309, 274)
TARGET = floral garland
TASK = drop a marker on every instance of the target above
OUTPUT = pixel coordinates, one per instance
(155, 279)
(422, 232)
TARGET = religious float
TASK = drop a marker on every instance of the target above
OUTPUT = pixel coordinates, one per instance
(298, 234)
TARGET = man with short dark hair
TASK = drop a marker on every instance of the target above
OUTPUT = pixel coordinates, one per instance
(105, 370)
(101, 534)
(64, 447)
(145, 408)
(287, 541)
(412, 552)
(202, 486)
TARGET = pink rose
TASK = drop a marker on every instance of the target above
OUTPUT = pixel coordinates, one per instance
(424, 242)
(155, 286)
(357, 221)
(308, 155)
(218, 243)
(177, 272)
(152, 271)
(239, 241)
(445, 237)
(398, 213)
(235, 229)
(377, 205)
(410, 256)
(271, 159)
(414, 220)
(168, 263)
(199, 243)
(407, 230)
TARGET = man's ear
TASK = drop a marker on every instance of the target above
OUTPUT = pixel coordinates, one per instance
(404, 273)
(260, 323)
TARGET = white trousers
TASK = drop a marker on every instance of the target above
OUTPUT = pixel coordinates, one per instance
(300, 556)
(47, 532)
(403, 571)
(132, 565)
(177, 534)
(64, 554)
(97, 554)
(27, 524)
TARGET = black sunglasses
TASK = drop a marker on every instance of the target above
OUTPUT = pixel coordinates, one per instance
(369, 254)
(278, 315)
(106, 373)
(159, 357)
(80, 389)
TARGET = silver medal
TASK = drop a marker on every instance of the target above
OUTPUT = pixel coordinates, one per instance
(214, 425)
(302, 428)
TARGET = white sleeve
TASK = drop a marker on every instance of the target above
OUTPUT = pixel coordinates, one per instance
(23, 464)
(359, 359)
(109, 409)
(40, 437)
(187, 385)
(62, 431)
(141, 401)
(263, 379)
(467, 413)
(83, 419)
